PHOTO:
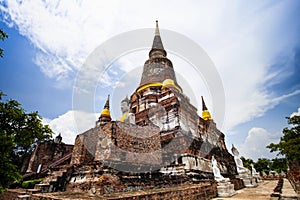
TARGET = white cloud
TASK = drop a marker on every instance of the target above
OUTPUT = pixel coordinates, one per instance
(64, 32)
(243, 40)
(254, 146)
(280, 98)
(296, 113)
(252, 106)
(69, 127)
(245, 57)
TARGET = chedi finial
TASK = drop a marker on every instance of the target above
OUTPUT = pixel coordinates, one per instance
(105, 114)
(205, 113)
(156, 28)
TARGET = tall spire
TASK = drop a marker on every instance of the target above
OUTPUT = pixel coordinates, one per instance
(203, 104)
(158, 68)
(157, 43)
(205, 113)
(107, 103)
(157, 29)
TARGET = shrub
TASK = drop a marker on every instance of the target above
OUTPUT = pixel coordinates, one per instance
(31, 183)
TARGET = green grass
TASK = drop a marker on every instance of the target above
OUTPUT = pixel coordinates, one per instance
(30, 184)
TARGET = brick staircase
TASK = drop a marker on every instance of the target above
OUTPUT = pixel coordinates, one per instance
(45, 168)
(56, 180)
(58, 177)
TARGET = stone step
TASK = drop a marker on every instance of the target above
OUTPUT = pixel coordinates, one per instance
(33, 191)
(40, 185)
(224, 184)
(225, 189)
(231, 186)
(49, 180)
(230, 194)
(43, 187)
(23, 197)
(57, 173)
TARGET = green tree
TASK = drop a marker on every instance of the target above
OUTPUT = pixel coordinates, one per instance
(279, 164)
(3, 35)
(19, 133)
(263, 165)
(247, 162)
(289, 144)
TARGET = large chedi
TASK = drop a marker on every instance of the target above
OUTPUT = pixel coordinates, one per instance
(159, 100)
(160, 139)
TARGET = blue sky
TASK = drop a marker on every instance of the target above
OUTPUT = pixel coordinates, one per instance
(255, 47)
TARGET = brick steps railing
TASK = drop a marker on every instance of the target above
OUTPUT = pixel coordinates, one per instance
(55, 181)
(54, 163)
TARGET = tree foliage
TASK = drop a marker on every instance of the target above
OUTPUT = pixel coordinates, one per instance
(3, 35)
(263, 165)
(289, 144)
(19, 133)
(247, 162)
(266, 165)
(279, 164)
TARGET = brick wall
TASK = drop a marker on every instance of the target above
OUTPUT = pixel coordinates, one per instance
(120, 142)
(206, 190)
(46, 153)
(12, 194)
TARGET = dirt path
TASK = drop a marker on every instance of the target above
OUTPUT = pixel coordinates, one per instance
(262, 191)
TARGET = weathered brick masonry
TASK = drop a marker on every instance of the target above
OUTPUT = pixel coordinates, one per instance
(162, 150)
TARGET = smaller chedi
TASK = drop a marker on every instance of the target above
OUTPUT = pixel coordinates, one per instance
(105, 114)
(243, 172)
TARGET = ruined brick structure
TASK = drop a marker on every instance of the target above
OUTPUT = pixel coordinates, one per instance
(112, 143)
(159, 142)
(160, 100)
(160, 135)
(47, 154)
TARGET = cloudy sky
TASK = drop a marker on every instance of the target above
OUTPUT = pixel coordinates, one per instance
(254, 45)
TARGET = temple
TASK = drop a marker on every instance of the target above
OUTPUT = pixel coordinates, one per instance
(159, 139)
